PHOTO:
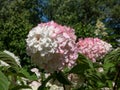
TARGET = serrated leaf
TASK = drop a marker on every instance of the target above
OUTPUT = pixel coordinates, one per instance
(62, 78)
(4, 83)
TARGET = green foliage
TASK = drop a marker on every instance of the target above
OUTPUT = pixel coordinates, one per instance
(60, 76)
(12, 74)
(15, 22)
(24, 73)
(86, 30)
(82, 15)
(69, 12)
(9, 60)
(4, 83)
(95, 79)
(82, 64)
(113, 56)
(43, 86)
(111, 9)
(19, 87)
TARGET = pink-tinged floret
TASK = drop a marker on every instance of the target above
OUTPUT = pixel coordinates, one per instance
(93, 48)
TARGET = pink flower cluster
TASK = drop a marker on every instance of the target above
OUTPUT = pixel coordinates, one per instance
(52, 46)
(93, 48)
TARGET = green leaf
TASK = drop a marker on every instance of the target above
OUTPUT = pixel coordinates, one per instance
(100, 84)
(43, 88)
(4, 83)
(112, 60)
(19, 87)
(62, 78)
(9, 60)
(79, 68)
(24, 73)
(85, 60)
(113, 56)
(110, 83)
(82, 65)
(107, 66)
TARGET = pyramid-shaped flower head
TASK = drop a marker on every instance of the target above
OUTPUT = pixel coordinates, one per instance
(52, 46)
(93, 48)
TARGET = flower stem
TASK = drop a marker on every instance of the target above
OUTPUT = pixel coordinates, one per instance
(116, 80)
(64, 87)
(42, 87)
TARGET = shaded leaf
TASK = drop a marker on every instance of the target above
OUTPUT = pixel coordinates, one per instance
(79, 68)
(19, 87)
(85, 60)
(62, 78)
(4, 83)
(43, 88)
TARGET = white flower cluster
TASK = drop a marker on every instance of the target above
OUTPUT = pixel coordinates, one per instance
(51, 46)
(39, 40)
